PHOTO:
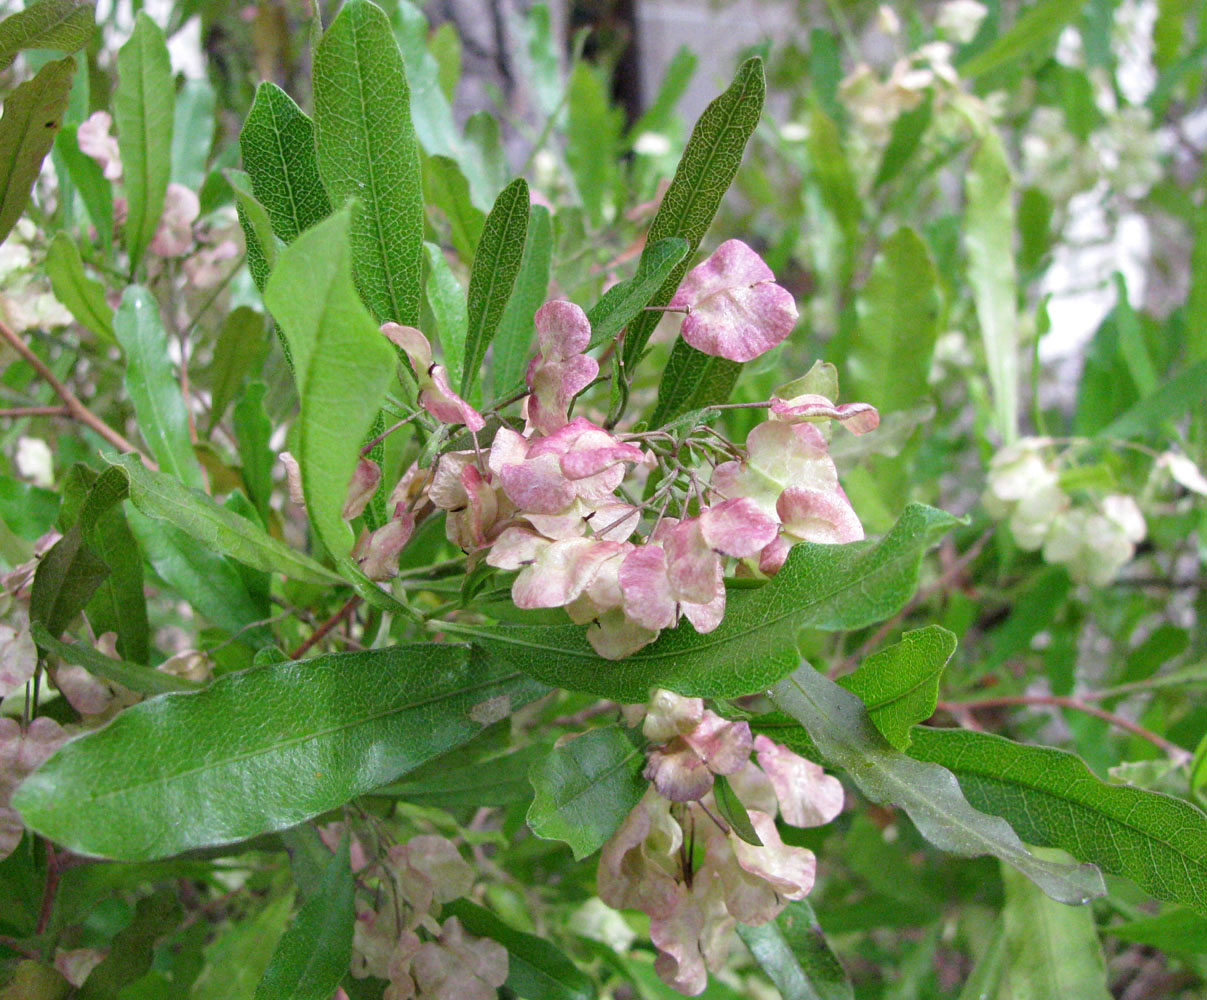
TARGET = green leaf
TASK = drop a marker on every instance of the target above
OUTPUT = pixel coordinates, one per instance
(536, 969)
(130, 954)
(215, 527)
(277, 143)
(163, 418)
(312, 957)
(792, 950)
(496, 265)
(593, 129)
(513, 344)
(83, 297)
(1185, 391)
(367, 152)
(341, 362)
(622, 302)
(1177, 929)
(263, 245)
(988, 241)
(239, 352)
(144, 680)
(463, 780)
(70, 572)
(192, 132)
(211, 584)
(119, 604)
(446, 298)
(448, 190)
(692, 380)
(63, 25)
(239, 954)
(586, 787)
(833, 587)
(143, 110)
(904, 141)
(898, 310)
(89, 180)
(734, 812)
(1037, 27)
(306, 736)
(839, 726)
(1052, 950)
(1053, 799)
(253, 430)
(709, 163)
(32, 115)
(900, 684)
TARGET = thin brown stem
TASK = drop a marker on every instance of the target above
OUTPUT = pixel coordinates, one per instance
(1179, 754)
(76, 409)
(14, 412)
(49, 889)
(349, 606)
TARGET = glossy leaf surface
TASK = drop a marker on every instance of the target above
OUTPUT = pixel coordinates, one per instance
(262, 750)
(792, 950)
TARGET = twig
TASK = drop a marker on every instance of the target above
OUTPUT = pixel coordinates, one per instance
(369, 446)
(1180, 754)
(20, 947)
(75, 408)
(14, 412)
(49, 890)
(318, 634)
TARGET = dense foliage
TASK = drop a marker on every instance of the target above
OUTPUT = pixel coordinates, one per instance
(421, 580)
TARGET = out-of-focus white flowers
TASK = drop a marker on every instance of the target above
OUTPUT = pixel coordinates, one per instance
(1092, 538)
(26, 301)
(35, 461)
(958, 20)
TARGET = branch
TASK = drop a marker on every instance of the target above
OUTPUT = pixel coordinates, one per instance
(327, 626)
(1180, 754)
(15, 412)
(75, 409)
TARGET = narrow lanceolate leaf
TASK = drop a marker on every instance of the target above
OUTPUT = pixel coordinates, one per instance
(621, 303)
(137, 678)
(263, 749)
(312, 956)
(89, 180)
(277, 143)
(839, 726)
(513, 345)
(193, 132)
(163, 418)
(119, 604)
(367, 151)
(1052, 798)
(1051, 950)
(341, 362)
(238, 355)
(216, 528)
(83, 297)
(1036, 27)
(70, 572)
(691, 380)
(709, 163)
(210, 583)
(988, 235)
(536, 969)
(820, 586)
(899, 685)
(792, 950)
(32, 115)
(263, 245)
(131, 952)
(898, 313)
(143, 110)
(63, 25)
(496, 264)
(586, 787)
(253, 429)
(447, 190)
(446, 299)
